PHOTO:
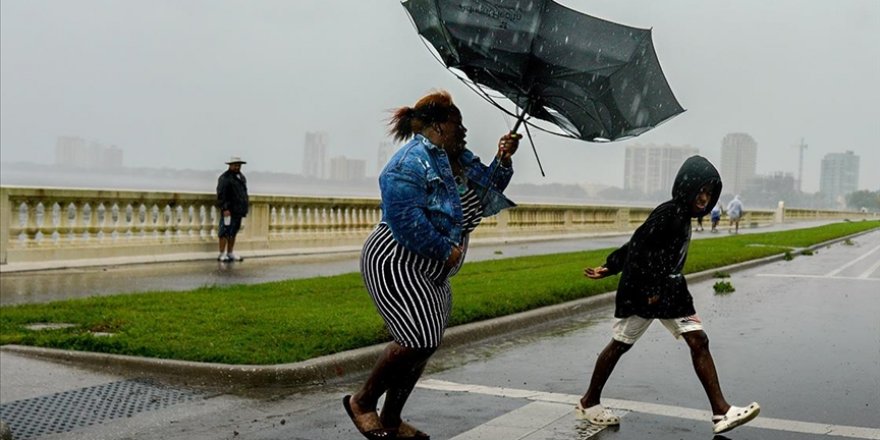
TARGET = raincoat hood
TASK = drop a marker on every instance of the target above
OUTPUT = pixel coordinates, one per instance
(695, 172)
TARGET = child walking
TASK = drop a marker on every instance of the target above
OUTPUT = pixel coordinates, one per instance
(652, 287)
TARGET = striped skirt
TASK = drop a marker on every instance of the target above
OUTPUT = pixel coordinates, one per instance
(411, 292)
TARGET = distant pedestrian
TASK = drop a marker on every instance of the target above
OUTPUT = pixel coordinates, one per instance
(716, 217)
(652, 286)
(735, 213)
(232, 201)
(435, 192)
(699, 227)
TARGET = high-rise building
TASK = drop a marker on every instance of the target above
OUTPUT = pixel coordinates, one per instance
(777, 182)
(840, 175)
(345, 169)
(650, 168)
(739, 161)
(386, 150)
(113, 157)
(71, 151)
(74, 152)
(315, 155)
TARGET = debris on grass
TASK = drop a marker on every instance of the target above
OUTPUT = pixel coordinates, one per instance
(788, 256)
(38, 326)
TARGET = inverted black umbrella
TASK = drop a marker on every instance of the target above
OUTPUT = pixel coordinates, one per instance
(593, 79)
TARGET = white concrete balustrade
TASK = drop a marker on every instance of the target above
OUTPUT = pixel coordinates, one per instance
(57, 226)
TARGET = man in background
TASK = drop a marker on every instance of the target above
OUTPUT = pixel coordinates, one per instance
(232, 201)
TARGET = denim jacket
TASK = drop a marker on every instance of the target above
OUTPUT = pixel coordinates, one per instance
(420, 201)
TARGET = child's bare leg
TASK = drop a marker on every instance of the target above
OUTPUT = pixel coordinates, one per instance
(604, 366)
(704, 366)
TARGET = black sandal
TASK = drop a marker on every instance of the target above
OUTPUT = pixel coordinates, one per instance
(368, 424)
(407, 431)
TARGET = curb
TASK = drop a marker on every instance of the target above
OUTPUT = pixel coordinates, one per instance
(331, 367)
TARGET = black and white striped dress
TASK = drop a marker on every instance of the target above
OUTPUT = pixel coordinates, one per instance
(410, 291)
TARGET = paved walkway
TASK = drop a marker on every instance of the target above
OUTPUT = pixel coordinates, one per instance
(50, 285)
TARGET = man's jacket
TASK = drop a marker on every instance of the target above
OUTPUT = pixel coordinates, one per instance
(232, 193)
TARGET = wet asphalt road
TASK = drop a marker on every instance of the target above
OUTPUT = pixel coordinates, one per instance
(800, 337)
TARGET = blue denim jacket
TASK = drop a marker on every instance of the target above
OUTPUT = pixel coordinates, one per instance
(420, 201)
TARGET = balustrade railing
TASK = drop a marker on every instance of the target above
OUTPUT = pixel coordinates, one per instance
(54, 224)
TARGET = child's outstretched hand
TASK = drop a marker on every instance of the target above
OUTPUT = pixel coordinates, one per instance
(596, 272)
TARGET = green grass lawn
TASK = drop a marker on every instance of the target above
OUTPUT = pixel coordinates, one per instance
(289, 321)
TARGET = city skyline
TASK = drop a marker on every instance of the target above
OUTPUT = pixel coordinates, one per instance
(318, 164)
(221, 80)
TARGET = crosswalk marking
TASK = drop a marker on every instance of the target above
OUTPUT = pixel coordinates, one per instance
(570, 400)
(870, 270)
(525, 423)
(860, 258)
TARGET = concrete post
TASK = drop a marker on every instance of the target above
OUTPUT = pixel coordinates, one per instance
(5, 219)
(780, 213)
(621, 222)
(258, 223)
(503, 218)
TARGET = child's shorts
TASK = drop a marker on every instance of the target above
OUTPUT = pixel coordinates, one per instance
(629, 330)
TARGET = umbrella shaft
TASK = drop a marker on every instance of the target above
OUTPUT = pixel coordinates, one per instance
(519, 121)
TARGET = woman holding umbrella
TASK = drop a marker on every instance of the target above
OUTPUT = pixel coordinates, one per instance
(434, 194)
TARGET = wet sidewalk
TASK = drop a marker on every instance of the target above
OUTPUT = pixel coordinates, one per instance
(51, 285)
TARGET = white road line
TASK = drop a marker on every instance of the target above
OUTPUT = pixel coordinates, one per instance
(870, 270)
(655, 409)
(824, 277)
(522, 422)
(863, 256)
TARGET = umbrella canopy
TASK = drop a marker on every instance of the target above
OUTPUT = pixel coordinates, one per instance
(594, 79)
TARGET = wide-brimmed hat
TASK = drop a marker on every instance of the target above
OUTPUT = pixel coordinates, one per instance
(235, 159)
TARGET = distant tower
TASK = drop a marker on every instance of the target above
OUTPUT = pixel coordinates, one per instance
(315, 155)
(801, 148)
(71, 152)
(345, 169)
(651, 168)
(739, 160)
(386, 149)
(840, 175)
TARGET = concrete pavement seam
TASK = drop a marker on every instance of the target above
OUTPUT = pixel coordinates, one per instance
(334, 366)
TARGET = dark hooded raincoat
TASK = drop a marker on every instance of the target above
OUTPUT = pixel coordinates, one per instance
(652, 260)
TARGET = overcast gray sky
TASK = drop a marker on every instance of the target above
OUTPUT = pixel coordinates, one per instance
(187, 83)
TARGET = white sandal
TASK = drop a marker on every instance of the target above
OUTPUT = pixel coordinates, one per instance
(734, 417)
(596, 414)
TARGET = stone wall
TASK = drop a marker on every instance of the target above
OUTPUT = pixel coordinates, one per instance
(54, 224)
